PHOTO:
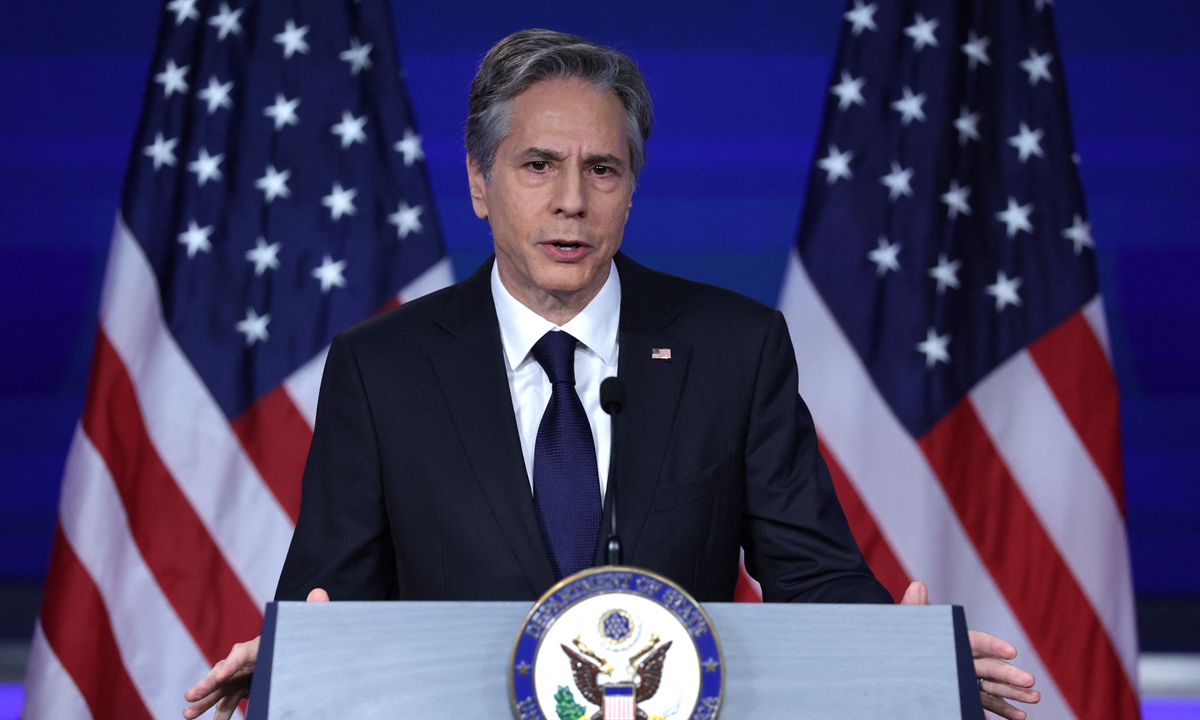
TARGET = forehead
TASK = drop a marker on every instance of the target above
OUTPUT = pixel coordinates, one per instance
(568, 115)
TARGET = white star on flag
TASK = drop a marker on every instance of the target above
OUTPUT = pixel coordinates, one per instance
(885, 257)
(1016, 217)
(265, 257)
(945, 273)
(254, 327)
(410, 147)
(340, 202)
(172, 79)
(1038, 67)
(956, 200)
(163, 151)
(292, 40)
(1005, 291)
(406, 219)
(227, 21)
(935, 348)
(1027, 142)
(898, 181)
(196, 239)
(283, 112)
(967, 126)
(330, 274)
(184, 10)
(274, 183)
(909, 107)
(862, 17)
(216, 94)
(836, 164)
(1080, 233)
(350, 129)
(921, 32)
(207, 167)
(358, 56)
(849, 91)
(976, 50)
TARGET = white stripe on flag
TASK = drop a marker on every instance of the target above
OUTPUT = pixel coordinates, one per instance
(188, 428)
(894, 479)
(157, 650)
(1093, 312)
(438, 276)
(49, 690)
(304, 385)
(1064, 487)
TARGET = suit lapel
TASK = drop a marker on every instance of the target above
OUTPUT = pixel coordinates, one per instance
(652, 388)
(470, 371)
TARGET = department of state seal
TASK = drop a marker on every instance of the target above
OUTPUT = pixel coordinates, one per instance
(616, 643)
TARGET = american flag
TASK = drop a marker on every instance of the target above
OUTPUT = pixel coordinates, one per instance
(943, 301)
(275, 195)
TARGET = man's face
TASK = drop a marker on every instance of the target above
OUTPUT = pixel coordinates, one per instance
(559, 195)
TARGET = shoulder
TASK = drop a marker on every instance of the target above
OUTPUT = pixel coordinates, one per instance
(421, 326)
(682, 303)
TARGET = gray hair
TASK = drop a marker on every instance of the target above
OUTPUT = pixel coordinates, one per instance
(530, 56)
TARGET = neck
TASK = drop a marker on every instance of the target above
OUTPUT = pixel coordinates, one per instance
(558, 308)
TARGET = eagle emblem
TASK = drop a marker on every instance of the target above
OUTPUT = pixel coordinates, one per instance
(619, 699)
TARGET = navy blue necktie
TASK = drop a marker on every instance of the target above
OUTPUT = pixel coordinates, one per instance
(566, 483)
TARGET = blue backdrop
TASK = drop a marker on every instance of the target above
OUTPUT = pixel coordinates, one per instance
(738, 95)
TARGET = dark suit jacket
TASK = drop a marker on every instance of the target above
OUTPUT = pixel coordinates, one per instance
(416, 489)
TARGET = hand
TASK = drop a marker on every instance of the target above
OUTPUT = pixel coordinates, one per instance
(1001, 680)
(229, 680)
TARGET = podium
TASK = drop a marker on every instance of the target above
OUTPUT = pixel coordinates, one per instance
(450, 660)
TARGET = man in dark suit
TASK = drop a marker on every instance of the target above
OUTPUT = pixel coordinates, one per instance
(437, 466)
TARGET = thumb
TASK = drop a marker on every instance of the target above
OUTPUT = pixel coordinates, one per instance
(318, 595)
(916, 594)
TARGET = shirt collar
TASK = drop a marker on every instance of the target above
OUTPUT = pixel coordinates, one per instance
(595, 326)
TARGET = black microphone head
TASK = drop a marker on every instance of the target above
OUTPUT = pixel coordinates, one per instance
(612, 395)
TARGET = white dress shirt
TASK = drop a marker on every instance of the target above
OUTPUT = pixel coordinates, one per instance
(595, 327)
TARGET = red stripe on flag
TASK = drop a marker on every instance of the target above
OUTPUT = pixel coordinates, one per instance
(746, 590)
(77, 629)
(874, 545)
(391, 304)
(194, 576)
(1027, 568)
(276, 437)
(1076, 368)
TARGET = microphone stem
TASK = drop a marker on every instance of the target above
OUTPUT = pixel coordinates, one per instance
(614, 542)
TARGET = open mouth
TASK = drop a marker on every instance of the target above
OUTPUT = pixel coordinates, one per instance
(567, 245)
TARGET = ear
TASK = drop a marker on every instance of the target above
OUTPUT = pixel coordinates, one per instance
(478, 188)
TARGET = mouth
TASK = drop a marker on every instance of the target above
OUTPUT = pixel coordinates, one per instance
(566, 249)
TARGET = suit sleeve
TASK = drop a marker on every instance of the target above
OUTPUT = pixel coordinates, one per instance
(797, 541)
(342, 541)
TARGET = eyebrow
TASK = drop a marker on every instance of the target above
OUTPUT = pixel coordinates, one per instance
(537, 153)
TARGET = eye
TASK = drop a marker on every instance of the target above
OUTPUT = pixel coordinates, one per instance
(539, 165)
(602, 170)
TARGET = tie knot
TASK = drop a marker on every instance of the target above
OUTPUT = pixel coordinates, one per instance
(555, 352)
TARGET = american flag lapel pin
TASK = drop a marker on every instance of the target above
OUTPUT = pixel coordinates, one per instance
(660, 353)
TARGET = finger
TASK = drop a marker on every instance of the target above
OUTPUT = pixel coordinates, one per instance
(318, 595)
(1008, 692)
(985, 645)
(1002, 708)
(229, 704)
(991, 669)
(916, 594)
(201, 706)
(209, 682)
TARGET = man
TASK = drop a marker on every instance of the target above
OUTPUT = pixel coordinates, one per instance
(459, 446)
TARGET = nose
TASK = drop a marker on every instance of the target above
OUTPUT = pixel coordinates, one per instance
(570, 196)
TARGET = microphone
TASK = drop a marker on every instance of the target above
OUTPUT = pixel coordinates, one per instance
(612, 401)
